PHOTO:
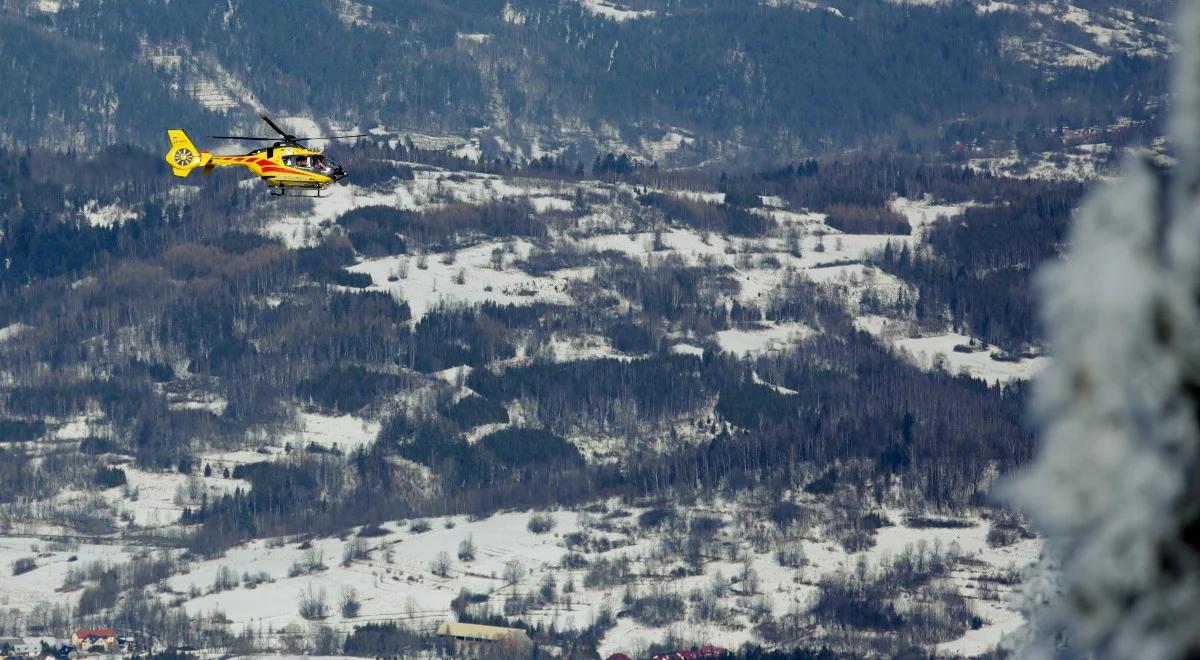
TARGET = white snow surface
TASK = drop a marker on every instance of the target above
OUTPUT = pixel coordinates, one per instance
(922, 213)
(396, 582)
(13, 330)
(769, 337)
(403, 589)
(931, 351)
(38, 587)
(470, 279)
(613, 11)
(345, 433)
(106, 216)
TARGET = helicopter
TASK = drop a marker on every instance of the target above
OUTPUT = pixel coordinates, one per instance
(286, 164)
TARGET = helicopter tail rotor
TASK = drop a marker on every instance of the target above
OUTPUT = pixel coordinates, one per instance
(183, 156)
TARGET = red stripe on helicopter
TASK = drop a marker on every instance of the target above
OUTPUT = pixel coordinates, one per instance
(285, 170)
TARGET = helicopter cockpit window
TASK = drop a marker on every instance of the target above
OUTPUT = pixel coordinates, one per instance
(315, 163)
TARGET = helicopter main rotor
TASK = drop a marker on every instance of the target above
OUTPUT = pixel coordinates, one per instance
(285, 138)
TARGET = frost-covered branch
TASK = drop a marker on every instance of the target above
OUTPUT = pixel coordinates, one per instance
(1116, 486)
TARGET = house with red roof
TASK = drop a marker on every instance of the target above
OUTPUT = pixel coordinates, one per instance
(704, 653)
(85, 639)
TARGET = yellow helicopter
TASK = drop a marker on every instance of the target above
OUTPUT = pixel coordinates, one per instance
(283, 165)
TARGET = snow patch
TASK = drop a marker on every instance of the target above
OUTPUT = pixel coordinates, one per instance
(922, 213)
(469, 278)
(938, 352)
(613, 11)
(106, 216)
(345, 432)
(768, 338)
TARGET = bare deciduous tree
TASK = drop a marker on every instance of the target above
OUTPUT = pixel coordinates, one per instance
(312, 605)
(466, 549)
(440, 566)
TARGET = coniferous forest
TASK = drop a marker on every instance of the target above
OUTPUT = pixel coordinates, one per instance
(640, 327)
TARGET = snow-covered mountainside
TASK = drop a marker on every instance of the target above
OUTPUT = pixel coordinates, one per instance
(636, 325)
(458, 319)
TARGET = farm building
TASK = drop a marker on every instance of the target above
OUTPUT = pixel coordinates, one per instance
(471, 636)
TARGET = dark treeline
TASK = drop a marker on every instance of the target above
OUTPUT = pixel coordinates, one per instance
(872, 179)
(978, 267)
(865, 220)
(975, 268)
(45, 200)
(374, 230)
(724, 218)
(889, 423)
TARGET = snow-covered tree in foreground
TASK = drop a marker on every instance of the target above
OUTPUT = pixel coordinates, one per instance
(1116, 488)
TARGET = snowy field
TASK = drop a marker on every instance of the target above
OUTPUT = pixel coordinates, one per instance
(770, 337)
(938, 351)
(394, 577)
(470, 278)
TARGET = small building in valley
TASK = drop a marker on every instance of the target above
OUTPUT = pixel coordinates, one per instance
(472, 636)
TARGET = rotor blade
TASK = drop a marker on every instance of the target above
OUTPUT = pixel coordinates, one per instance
(335, 137)
(241, 137)
(275, 126)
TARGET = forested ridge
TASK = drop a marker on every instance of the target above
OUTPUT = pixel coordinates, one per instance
(737, 79)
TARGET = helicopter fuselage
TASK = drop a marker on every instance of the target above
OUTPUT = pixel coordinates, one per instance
(281, 165)
(286, 167)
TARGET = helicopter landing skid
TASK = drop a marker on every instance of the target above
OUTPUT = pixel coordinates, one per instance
(282, 192)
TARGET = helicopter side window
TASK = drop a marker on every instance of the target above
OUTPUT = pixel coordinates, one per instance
(305, 162)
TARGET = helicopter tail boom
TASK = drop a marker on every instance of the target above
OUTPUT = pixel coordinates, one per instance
(183, 156)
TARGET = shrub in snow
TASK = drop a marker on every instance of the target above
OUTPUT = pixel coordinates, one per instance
(466, 549)
(312, 561)
(440, 566)
(790, 554)
(252, 580)
(514, 571)
(355, 550)
(23, 565)
(350, 604)
(326, 641)
(1115, 486)
(653, 518)
(658, 609)
(225, 579)
(785, 514)
(540, 523)
(312, 604)
(110, 477)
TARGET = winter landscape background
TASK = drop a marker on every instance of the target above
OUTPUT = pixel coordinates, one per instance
(639, 326)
